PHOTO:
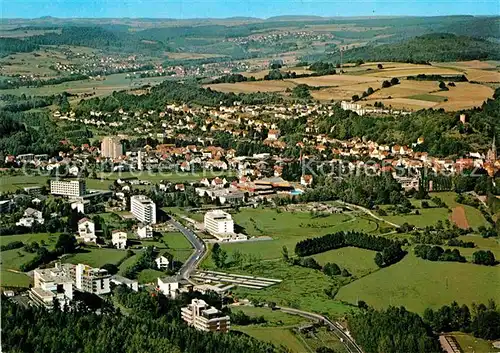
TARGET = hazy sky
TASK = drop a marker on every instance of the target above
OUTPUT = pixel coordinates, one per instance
(252, 8)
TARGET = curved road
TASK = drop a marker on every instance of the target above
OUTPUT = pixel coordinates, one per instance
(336, 328)
(200, 249)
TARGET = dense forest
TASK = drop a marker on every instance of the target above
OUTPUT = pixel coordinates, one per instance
(154, 327)
(429, 47)
(482, 321)
(394, 330)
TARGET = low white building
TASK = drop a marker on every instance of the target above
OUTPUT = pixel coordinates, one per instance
(119, 239)
(144, 231)
(120, 280)
(86, 230)
(169, 286)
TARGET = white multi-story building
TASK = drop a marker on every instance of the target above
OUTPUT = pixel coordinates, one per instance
(144, 231)
(90, 279)
(86, 230)
(204, 318)
(169, 286)
(143, 209)
(219, 224)
(72, 188)
(119, 239)
(50, 284)
(111, 147)
(355, 107)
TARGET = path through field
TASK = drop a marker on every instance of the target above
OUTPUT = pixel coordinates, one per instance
(459, 218)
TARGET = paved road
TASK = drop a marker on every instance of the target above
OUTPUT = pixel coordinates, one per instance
(367, 211)
(199, 249)
(336, 328)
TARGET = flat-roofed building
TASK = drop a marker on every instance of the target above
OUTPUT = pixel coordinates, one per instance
(71, 188)
(90, 279)
(143, 209)
(52, 283)
(169, 286)
(124, 281)
(205, 318)
(219, 223)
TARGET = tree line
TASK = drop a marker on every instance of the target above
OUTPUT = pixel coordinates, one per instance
(155, 326)
(388, 251)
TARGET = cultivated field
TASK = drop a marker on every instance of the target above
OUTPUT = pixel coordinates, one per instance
(418, 284)
(249, 87)
(408, 95)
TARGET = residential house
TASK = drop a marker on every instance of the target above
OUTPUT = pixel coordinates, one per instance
(119, 239)
(86, 230)
(163, 260)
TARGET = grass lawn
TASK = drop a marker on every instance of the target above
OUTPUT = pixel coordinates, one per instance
(418, 284)
(96, 257)
(279, 336)
(286, 229)
(471, 344)
(273, 317)
(11, 183)
(427, 217)
(12, 260)
(175, 243)
(358, 262)
(12, 279)
(49, 239)
(474, 216)
(127, 263)
(302, 288)
(149, 275)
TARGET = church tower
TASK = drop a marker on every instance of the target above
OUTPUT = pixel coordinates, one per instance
(492, 153)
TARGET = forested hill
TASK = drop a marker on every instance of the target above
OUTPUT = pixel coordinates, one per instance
(93, 37)
(429, 47)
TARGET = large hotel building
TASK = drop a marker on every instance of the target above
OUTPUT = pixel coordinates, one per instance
(71, 188)
(204, 318)
(143, 209)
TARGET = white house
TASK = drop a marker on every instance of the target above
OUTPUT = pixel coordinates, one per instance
(119, 239)
(144, 231)
(169, 286)
(86, 230)
(30, 217)
(163, 260)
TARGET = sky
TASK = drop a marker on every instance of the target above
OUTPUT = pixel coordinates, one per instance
(247, 8)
